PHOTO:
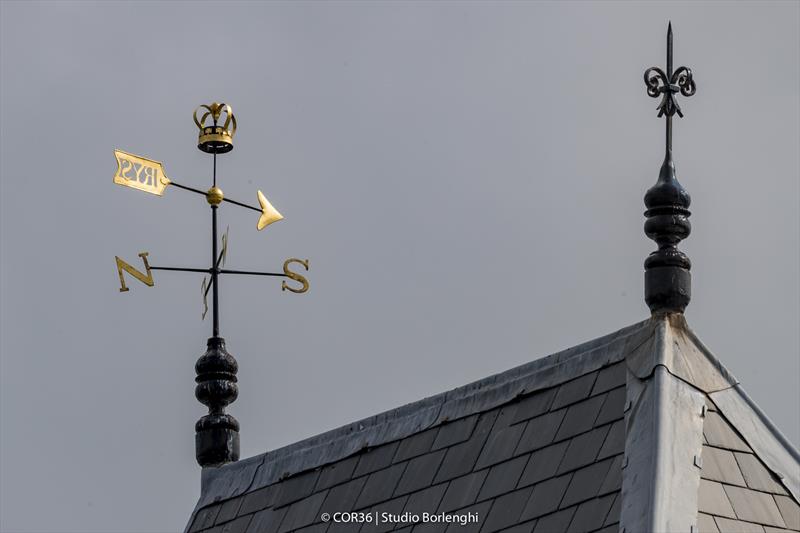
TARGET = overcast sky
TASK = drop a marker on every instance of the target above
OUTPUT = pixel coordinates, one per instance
(465, 178)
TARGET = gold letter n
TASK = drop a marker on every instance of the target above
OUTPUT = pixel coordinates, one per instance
(122, 265)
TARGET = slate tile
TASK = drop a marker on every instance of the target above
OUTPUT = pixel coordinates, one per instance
(586, 484)
(534, 405)
(481, 509)
(463, 491)
(506, 416)
(543, 463)
(229, 510)
(770, 529)
(613, 514)
(580, 417)
(205, 517)
(460, 459)
(320, 527)
(506, 510)
(336, 473)
(546, 497)
(711, 499)
(706, 524)
(380, 485)
(415, 445)
(720, 434)
(430, 527)
(790, 511)
(267, 521)
(500, 446)
(295, 488)
(526, 527)
(615, 440)
(342, 498)
(610, 377)
(720, 465)
(737, 526)
(613, 481)
(753, 506)
(428, 500)
(610, 529)
(756, 475)
(612, 408)
(556, 522)
(237, 526)
(303, 512)
(258, 499)
(394, 508)
(454, 432)
(375, 459)
(583, 449)
(419, 472)
(540, 431)
(591, 514)
(574, 391)
(503, 477)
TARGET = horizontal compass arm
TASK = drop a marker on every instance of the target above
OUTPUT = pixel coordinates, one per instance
(276, 274)
(198, 191)
(182, 269)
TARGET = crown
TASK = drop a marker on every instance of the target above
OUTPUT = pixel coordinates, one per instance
(215, 138)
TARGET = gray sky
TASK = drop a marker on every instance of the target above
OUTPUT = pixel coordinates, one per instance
(466, 179)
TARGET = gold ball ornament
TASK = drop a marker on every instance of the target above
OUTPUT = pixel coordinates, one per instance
(214, 196)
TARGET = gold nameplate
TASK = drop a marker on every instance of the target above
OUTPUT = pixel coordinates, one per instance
(140, 173)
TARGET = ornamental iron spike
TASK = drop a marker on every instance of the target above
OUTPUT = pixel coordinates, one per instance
(668, 279)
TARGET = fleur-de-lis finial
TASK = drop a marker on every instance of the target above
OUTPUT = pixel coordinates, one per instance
(668, 281)
(669, 83)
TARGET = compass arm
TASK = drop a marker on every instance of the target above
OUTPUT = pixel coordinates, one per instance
(249, 273)
(205, 194)
(240, 204)
(182, 269)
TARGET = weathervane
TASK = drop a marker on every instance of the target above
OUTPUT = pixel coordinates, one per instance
(668, 280)
(217, 433)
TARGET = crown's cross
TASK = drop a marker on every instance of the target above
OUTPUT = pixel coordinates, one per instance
(217, 433)
(667, 270)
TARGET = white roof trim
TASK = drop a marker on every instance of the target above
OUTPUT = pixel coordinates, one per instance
(663, 445)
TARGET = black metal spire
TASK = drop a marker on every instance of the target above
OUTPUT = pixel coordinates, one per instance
(217, 433)
(667, 277)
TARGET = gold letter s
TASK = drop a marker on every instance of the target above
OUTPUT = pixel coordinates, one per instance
(294, 275)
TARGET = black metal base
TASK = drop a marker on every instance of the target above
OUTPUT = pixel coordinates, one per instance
(217, 437)
(667, 289)
(217, 440)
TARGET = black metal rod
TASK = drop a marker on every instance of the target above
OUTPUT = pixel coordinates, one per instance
(669, 80)
(214, 267)
(198, 191)
(241, 204)
(181, 269)
(277, 274)
(178, 185)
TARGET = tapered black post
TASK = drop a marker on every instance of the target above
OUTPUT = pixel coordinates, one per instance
(668, 281)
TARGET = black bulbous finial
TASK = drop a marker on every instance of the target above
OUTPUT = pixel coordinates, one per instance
(668, 280)
(217, 433)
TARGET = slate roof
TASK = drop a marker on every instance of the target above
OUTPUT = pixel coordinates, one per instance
(628, 431)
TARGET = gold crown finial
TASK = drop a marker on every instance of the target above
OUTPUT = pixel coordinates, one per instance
(215, 138)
